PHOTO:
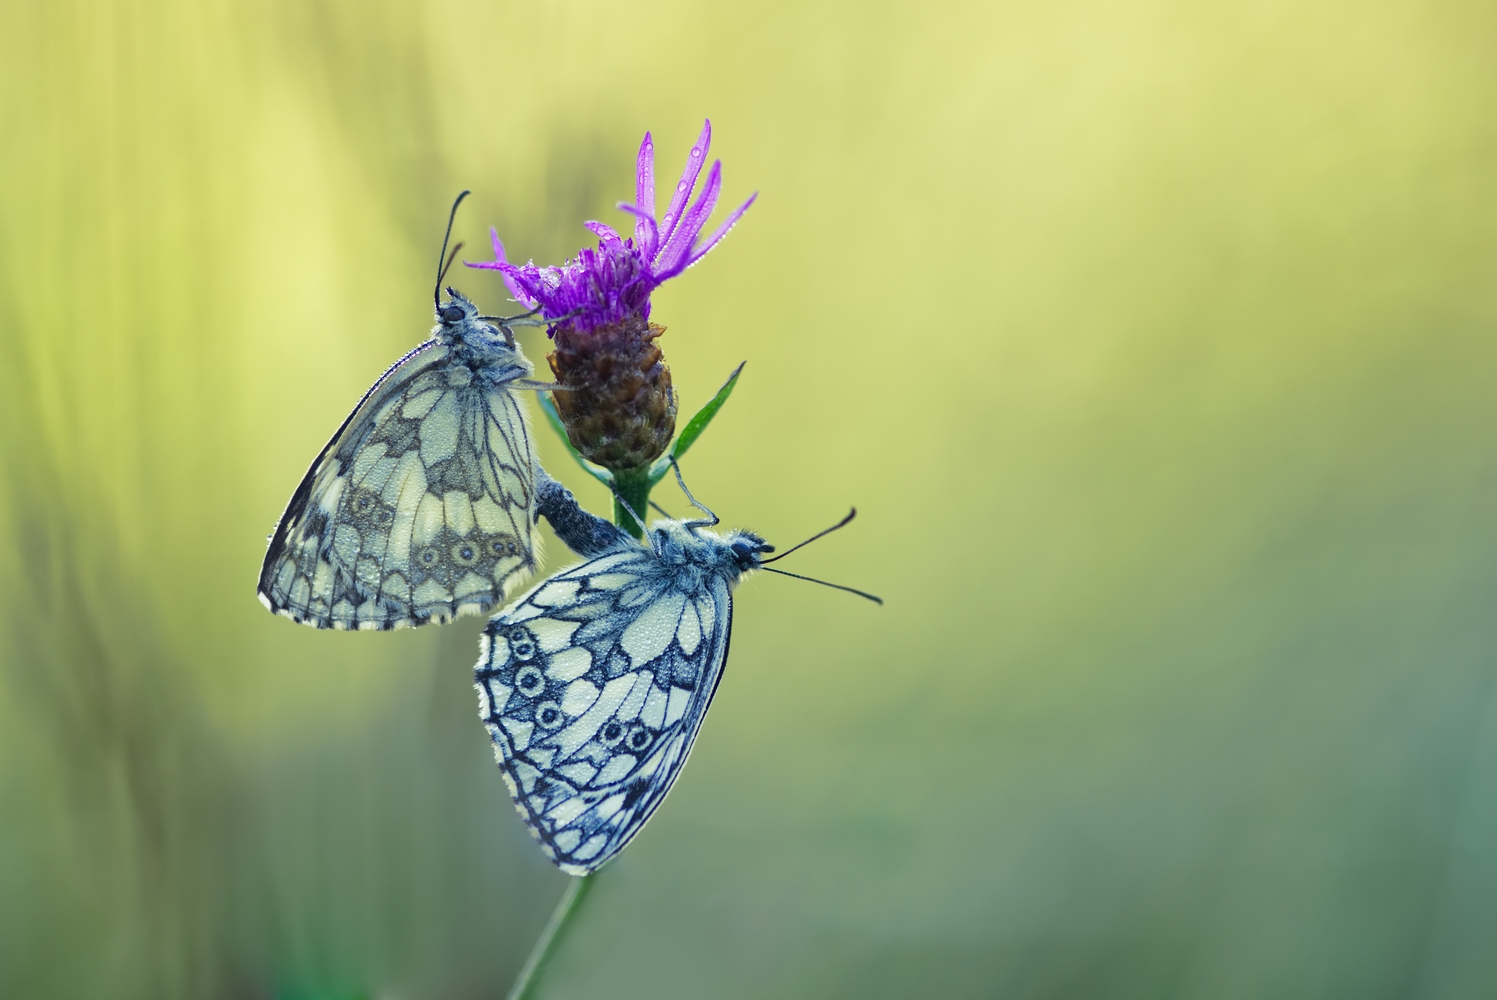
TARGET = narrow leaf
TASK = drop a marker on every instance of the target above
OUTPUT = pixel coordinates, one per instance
(554, 419)
(695, 426)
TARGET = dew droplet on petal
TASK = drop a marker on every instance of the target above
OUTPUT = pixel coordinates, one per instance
(680, 185)
(696, 151)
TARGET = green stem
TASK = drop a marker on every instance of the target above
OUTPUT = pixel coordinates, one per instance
(529, 975)
(633, 487)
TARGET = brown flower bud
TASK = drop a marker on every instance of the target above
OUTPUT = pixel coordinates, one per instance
(618, 406)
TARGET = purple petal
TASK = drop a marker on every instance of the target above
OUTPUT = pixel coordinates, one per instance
(613, 281)
(672, 259)
(644, 191)
(604, 232)
(721, 231)
(694, 161)
(501, 264)
(512, 276)
(643, 222)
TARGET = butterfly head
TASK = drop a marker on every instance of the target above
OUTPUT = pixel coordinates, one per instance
(745, 548)
(460, 326)
(455, 311)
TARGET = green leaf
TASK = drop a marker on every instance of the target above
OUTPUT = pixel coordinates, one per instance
(695, 426)
(554, 419)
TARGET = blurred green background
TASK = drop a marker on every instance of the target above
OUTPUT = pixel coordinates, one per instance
(1154, 342)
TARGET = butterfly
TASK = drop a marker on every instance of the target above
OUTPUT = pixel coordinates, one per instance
(422, 506)
(594, 685)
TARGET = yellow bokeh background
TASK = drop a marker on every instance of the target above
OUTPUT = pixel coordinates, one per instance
(1154, 343)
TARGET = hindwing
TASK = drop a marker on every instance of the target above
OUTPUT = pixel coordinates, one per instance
(593, 687)
(421, 508)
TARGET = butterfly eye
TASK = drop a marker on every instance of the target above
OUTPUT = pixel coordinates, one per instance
(548, 714)
(452, 314)
(529, 681)
(464, 554)
(612, 733)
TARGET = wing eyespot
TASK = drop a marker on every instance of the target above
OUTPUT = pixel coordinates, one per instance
(428, 557)
(529, 681)
(612, 734)
(639, 738)
(465, 553)
(548, 714)
(521, 644)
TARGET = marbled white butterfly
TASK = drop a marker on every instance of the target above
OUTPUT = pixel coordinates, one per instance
(422, 506)
(594, 685)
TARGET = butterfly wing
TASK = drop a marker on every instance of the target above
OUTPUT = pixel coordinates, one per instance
(421, 508)
(593, 687)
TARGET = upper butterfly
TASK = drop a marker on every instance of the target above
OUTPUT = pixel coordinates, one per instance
(594, 685)
(422, 506)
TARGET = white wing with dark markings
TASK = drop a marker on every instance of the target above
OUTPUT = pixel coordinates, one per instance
(594, 685)
(422, 506)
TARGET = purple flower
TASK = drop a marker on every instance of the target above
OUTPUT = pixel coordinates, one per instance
(613, 283)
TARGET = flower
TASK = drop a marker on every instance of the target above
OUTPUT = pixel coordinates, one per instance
(614, 392)
(613, 283)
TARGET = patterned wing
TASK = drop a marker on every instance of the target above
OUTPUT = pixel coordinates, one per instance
(421, 508)
(593, 687)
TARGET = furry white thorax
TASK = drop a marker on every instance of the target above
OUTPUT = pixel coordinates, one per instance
(482, 345)
(679, 544)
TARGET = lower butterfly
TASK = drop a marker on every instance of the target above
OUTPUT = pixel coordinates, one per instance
(594, 685)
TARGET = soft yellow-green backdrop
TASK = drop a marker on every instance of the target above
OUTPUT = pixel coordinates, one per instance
(1154, 342)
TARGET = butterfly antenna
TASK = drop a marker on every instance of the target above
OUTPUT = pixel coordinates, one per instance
(812, 579)
(840, 524)
(444, 261)
(699, 506)
(456, 247)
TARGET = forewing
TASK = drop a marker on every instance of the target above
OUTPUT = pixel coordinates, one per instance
(593, 687)
(421, 508)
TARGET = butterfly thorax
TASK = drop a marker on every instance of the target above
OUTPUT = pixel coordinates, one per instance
(483, 347)
(688, 553)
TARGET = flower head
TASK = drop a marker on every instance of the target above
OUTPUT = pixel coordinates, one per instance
(612, 284)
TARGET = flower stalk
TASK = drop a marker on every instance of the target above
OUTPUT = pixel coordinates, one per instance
(530, 972)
